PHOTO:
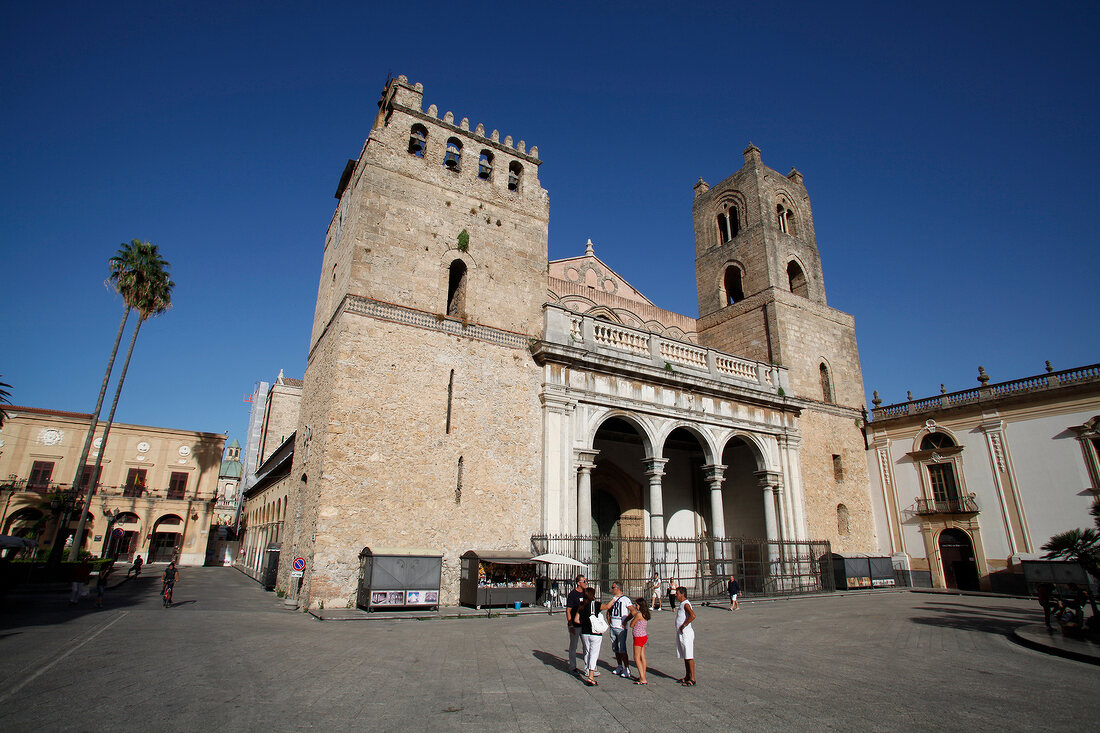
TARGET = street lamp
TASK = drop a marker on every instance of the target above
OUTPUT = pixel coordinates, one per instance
(108, 537)
(61, 504)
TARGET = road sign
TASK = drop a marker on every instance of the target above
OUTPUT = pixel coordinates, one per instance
(296, 573)
(299, 565)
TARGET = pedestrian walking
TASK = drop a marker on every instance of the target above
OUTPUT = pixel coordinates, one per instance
(80, 575)
(619, 610)
(1046, 600)
(101, 584)
(685, 636)
(588, 619)
(673, 584)
(734, 589)
(572, 601)
(655, 601)
(639, 629)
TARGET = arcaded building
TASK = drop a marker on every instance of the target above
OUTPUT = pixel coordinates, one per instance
(154, 496)
(464, 393)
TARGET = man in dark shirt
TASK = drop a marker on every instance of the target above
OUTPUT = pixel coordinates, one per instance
(571, 602)
(733, 588)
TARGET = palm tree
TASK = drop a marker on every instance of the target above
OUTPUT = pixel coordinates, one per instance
(5, 399)
(140, 275)
(1081, 546)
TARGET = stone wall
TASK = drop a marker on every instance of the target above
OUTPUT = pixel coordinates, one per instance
(389, 474)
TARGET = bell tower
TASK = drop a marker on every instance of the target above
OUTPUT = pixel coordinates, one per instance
(762, 295)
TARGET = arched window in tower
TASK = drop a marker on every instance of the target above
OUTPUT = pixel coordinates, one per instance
(796, 280)
(842, 527)
(785, 218)
(515, 176)
(456, 289)
(734, 290)
(485, 166)
(418, 140)
(826, 384)
(728, 225)
(452, 159)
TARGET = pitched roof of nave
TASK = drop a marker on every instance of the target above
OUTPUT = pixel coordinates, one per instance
(586, 284)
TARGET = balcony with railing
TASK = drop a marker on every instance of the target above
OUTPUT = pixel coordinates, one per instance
(954, 505)
(1051, 380)
(45, 489)
(643, 348)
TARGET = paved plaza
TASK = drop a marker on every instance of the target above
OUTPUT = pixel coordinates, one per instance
(229, 655)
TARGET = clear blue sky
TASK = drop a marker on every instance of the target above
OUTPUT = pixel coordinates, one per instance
(950, 152)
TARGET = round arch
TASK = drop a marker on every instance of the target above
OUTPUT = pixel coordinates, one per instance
(710, 450)
(646, 430)
(958, 558)
(930, 427)
(26, 521)
(759, 451)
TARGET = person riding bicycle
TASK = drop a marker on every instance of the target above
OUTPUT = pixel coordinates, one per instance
(171, 575)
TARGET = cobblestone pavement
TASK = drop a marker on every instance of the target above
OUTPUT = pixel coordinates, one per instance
(229, 655)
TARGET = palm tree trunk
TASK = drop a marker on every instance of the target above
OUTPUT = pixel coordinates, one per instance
(74, 552)
(95, 416)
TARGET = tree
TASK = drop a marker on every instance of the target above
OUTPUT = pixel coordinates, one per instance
(1081, 546)
(140, 275)
(5, 399)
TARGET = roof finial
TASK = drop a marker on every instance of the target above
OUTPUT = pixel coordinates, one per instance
(588, 249)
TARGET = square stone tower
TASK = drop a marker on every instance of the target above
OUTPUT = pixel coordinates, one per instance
(762, 296)
(420, 427)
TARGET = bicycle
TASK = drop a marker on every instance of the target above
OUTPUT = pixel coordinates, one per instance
(167, 595)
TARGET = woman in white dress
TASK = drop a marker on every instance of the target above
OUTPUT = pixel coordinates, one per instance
(685, 636)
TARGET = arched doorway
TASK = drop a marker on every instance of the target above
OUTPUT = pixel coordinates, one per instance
(27, 522)
(167, 538)
(123, 542)
(686, 506)
(742, 495)
(618, 501)
(957, 557)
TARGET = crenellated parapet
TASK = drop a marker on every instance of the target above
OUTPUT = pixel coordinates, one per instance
(401, 94)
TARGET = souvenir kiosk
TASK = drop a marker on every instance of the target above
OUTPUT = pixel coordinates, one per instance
(497, 578)
(391, 579)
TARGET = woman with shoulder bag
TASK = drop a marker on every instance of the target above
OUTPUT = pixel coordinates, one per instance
(592, 627)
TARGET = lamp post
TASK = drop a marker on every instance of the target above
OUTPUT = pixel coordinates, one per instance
(61, 503)
(108, 537)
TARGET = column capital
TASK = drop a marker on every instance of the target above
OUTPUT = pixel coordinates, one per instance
(654, 467)
(768, 479)
(715, 473)
(558, 403)
(995, 425)
(585, 459)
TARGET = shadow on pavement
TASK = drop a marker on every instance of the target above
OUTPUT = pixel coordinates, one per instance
(27, 606)
(1000, 621)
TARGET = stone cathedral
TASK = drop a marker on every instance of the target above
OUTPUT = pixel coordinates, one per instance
(463, 392)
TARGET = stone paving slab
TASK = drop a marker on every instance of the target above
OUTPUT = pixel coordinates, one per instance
(230, 655)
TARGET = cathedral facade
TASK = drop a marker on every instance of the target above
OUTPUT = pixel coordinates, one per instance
(464, 393)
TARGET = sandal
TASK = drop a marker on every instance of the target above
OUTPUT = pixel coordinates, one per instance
(640, 683)
(687, 683)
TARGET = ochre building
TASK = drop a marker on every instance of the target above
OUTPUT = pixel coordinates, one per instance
(154, 494)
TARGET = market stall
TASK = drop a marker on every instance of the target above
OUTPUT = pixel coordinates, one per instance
(399, 578)
(497, 578)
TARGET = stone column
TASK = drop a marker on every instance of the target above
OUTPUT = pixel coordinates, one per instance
(585, 462)
(769, 481)
(654, 471)
(714, 475)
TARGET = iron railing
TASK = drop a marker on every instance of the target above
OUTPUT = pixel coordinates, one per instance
(702, 565)
(958, 505)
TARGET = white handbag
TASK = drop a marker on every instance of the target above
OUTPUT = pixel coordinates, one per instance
(599, 623)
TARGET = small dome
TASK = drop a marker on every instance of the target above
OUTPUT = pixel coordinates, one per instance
(231, 469)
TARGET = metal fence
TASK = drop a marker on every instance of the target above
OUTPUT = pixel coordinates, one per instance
(702, 566)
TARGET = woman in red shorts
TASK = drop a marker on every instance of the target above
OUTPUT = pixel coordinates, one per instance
(639, 624)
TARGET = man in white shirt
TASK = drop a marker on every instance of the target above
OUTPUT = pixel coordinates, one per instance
(619, 610)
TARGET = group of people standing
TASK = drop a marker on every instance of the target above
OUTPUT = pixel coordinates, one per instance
(626, 619)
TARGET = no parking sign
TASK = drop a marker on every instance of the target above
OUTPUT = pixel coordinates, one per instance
(298, 567)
